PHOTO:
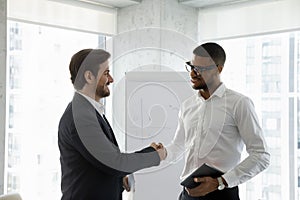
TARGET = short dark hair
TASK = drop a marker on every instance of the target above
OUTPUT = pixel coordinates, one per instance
(213, 50)
(86, 60)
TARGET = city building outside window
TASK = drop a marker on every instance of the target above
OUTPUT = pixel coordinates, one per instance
(39, 88)
(266, 68)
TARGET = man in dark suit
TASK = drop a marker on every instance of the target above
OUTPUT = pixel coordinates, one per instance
(93, 168)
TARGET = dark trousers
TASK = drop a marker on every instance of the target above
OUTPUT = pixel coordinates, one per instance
(226, 194)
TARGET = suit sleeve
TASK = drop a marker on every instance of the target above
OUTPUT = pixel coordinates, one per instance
(90, 141)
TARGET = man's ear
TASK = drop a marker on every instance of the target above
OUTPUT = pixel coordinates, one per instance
(89, 76)
(220, 68)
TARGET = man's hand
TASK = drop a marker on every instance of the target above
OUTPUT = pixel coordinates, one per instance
(126, 183)
(161, 150)
(207, 185)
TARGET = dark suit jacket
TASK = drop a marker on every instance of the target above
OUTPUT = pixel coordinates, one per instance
(91, 162)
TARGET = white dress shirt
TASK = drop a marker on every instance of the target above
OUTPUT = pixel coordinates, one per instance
(97, 105)
(214, 131)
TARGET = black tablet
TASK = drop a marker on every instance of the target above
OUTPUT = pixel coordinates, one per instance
(202, 171)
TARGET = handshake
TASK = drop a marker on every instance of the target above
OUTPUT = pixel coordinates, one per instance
(161, 150)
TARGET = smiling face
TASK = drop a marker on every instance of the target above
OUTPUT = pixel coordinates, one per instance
(206, 79)
(103, 80)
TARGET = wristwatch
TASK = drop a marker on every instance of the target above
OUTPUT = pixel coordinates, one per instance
(221, 184)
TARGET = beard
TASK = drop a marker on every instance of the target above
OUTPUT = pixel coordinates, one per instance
(200, 87)
(200, 84)
(102, 91)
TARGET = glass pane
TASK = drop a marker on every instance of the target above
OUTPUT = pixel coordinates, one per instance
(39, 89)
(262, 67)
(298, 146)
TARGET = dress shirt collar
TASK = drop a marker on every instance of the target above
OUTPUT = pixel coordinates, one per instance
(219, 92)
(97, 105)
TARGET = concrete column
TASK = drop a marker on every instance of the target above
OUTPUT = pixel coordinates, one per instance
(155, 35)
(3, 38)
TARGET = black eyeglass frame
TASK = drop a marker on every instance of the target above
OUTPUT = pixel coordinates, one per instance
(198, 69)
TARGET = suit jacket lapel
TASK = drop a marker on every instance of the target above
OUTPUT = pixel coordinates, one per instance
(107, 129)
(104, 125)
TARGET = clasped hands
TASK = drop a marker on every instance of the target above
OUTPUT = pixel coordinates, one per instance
(161, 150)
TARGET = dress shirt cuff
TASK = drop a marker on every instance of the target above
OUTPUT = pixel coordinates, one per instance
(169, 155)
(231, 179)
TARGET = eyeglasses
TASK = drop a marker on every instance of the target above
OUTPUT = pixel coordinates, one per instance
(198, 69)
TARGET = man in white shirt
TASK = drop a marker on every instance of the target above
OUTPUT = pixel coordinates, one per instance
(213, 127)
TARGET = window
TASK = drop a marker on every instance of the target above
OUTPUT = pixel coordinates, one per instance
(268, 68)
(39, 89)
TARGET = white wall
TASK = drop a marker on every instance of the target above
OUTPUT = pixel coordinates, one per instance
(2, 89)
(249, 19)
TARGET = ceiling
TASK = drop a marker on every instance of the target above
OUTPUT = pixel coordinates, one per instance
(218, 3)
(112, 3)
(192, 3)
